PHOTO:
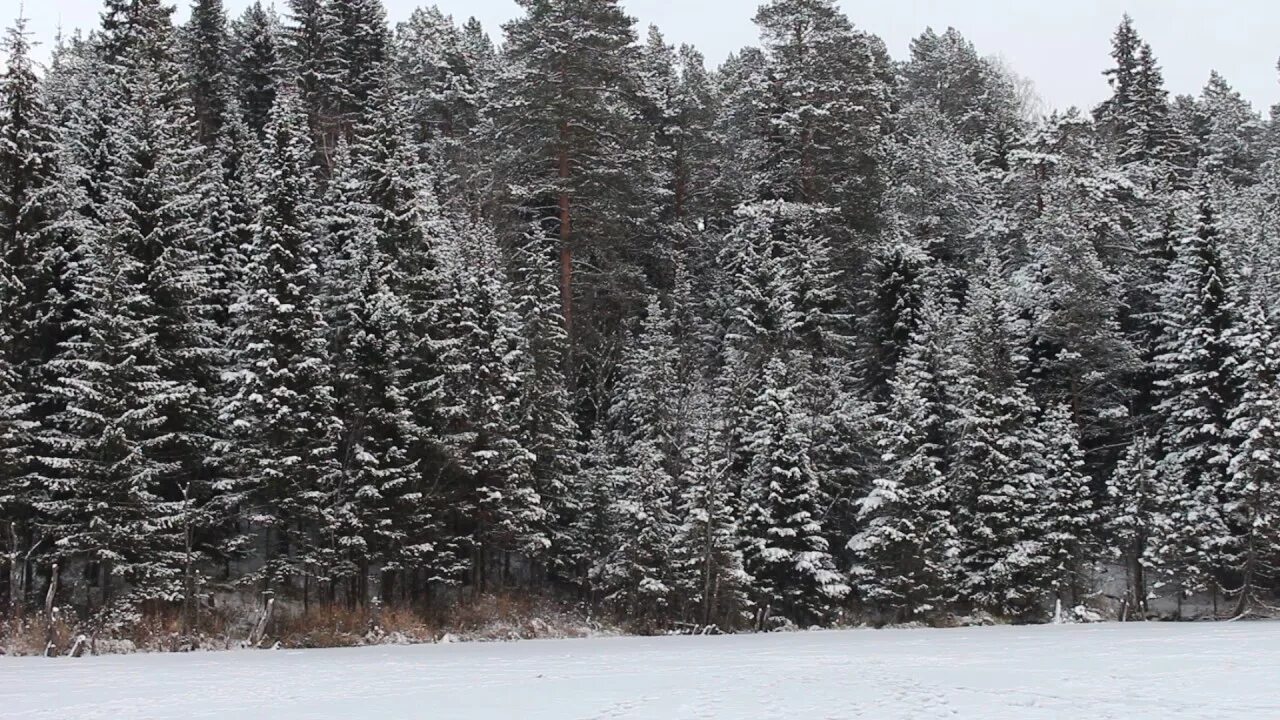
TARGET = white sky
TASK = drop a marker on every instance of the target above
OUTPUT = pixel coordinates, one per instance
(1061, 45)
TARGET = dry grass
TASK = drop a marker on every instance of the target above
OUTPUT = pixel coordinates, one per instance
(341, 626)
(515, 617)
(509, 616)
(159, 631)
(34, 635)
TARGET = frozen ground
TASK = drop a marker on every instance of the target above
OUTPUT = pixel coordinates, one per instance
(1217, 671)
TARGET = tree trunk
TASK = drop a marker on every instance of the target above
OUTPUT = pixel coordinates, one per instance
(1138, 580)
(189, 618)
(682, 184)
(48, 609)
(708, 572)
(18, 561)
(566, 236)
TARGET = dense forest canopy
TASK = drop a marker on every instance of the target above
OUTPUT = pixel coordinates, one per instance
(303, 304)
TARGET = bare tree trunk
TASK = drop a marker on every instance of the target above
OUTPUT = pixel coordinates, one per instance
(1251, 561)
(18, 569)
(48, 609)
(682, 184)
(189, 618)
(566, 232)
(1246, 583)
(260, 629)
(373, 598)
(1138, 580)
(708, 576)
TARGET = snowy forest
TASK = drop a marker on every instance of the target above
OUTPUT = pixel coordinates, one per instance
(300, 305)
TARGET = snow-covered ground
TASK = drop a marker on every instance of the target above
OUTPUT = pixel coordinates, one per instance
(1216, 671)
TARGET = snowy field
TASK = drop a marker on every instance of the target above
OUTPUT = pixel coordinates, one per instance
(1161, 671)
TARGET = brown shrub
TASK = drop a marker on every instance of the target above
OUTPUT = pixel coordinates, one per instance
(507, 616)
(34, 635)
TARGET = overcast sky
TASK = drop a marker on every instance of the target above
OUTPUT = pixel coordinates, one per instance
(1061, 45)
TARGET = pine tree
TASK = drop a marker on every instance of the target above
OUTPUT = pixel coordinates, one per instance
(938, 199)
(969, 91)
(831, 102)
(568, 141)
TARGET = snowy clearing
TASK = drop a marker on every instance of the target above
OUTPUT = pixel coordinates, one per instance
(1165, 671)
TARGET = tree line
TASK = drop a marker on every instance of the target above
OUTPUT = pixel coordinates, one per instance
(352, 314)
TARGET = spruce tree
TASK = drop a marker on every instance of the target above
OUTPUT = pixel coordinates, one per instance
(905, 555)
(1069, 518)
(637, 572)
(386, 521)
(892, 306)
(485, 366)
(995, 468)
(34, 287)
(256, 63)
(1230, 145)
(281, 400)
(311, 44)
(708, 559)
(546, 418)
(1199, 390)
(1132, 522)
(206, 48)
(102, 454)
(444, 88)
(1253, 483)
(1134, 121)
(1079, 354)
(359, 55)
(785, 553)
